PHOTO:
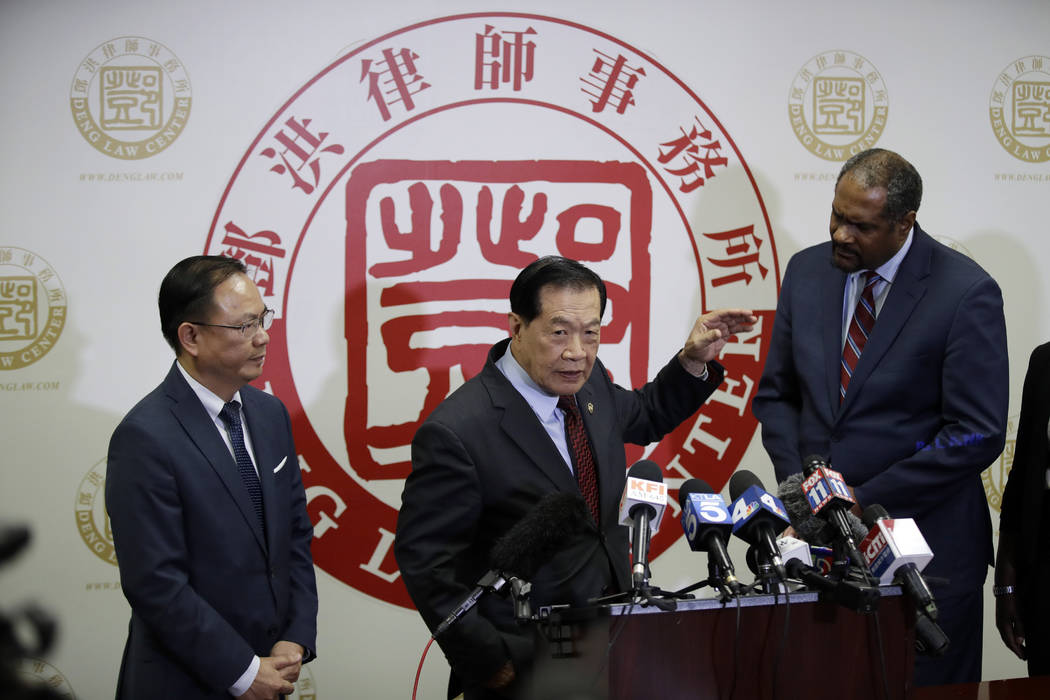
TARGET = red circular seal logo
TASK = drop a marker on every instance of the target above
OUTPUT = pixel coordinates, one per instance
(386, 208)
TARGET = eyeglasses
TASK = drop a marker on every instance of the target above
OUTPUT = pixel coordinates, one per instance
(248, 328)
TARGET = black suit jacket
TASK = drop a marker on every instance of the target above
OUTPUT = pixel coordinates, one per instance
(480, 461)
(925, 411)
(1025, 493)
(207, 588)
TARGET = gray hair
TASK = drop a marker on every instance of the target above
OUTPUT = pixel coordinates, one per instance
(878, 167)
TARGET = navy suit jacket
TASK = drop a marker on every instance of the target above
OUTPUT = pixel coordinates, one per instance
(207, 588)
(926, 408)
(480, 462)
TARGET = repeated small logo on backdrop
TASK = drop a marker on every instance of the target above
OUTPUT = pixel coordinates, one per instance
(954, 245)
(32, 307)
(306, 686)
(130, 97)
(1019, 108)
(994, 477)
(90, 511)
(36, 673)
(838, 105)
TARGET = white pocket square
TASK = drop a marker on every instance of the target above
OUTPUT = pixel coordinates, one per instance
(280, 466)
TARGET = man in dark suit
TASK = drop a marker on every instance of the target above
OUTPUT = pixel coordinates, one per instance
(913, 422)
(207, 507)
(1022, 566)
(499, 443)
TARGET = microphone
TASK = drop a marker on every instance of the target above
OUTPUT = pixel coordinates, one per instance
(797, 557)
(642, 507)
(707, 525)
(846, 593)
(829, 499)
(757, 518)
(824, 558)
(794, 548)
(896, 551)
(808, 527)
(930, 639)
(524, 548)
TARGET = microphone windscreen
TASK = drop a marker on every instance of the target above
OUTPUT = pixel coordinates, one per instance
(860, 530)
(646, 469)
(534, 539)
(751, 556)
(872, 514)
(741, 481)
(690, 486)
(812, 462)
(806, 526)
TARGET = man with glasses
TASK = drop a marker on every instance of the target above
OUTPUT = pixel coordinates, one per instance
(207, 506)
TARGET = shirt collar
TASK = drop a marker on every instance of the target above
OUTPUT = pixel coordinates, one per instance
(212, 402)
(888, 269)
(542, 403)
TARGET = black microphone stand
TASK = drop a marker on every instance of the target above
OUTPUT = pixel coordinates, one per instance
(644, 594)
(768, 580)
(718, 578)
(520, 592)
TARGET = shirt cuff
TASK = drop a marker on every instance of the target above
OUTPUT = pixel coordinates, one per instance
(247, 678)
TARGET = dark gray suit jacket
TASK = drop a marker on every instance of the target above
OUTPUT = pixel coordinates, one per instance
(207, 588)
(480, 461)
(926, 408)
(1025, 493)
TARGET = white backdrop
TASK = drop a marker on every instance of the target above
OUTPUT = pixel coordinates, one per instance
(97, 232)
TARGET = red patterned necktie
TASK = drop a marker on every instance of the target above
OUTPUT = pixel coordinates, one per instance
(580, 451)
(859, 330)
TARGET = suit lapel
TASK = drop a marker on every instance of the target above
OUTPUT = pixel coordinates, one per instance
(907, 289)
(833, 287)
(519, 423)
(203, 432)
(521, 426)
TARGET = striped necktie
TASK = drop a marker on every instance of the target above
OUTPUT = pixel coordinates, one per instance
(859, 330)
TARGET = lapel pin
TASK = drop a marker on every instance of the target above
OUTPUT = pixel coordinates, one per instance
(590, 407)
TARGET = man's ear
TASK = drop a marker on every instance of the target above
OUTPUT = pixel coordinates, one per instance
(906, 223)
(514, 324)
(189, 338)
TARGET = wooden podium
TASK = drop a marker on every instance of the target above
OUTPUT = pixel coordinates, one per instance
(754, 648)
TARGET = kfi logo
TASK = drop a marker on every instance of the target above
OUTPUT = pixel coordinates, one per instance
(645, 490)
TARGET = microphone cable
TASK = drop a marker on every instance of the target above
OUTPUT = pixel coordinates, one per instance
(882, 656)
(419, 669)
(783, 636)
(615, 630)
(736, 648)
